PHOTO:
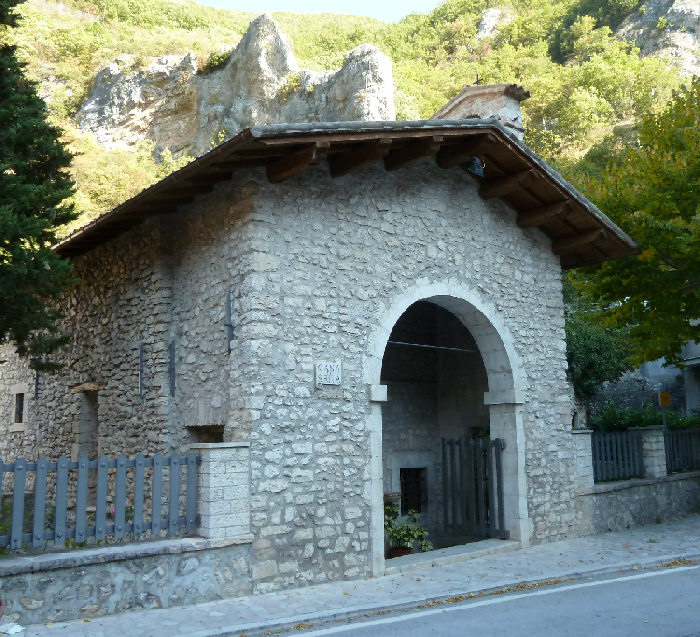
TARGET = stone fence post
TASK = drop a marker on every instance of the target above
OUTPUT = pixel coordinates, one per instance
(223, 489)
(654, 449)
(583, 459)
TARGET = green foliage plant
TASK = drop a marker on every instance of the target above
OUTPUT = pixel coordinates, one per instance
(584, 81)
(34, 185)
(405, 534)
(216, 60)
(653, 193)
(594, 355)
(291, 85)
(612, 417)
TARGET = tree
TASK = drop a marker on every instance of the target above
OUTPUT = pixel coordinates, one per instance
(34, 184)
(595, 355)
(653, 193)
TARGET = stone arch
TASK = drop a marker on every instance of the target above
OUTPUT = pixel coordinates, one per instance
(504, 397)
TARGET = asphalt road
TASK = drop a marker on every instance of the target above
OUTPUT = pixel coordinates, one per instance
(662, 603)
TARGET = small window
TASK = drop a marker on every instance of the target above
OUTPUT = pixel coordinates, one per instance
(206, 433)
(19, 408)
(414, 491)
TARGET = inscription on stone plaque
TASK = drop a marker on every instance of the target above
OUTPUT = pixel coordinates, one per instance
(328, 373)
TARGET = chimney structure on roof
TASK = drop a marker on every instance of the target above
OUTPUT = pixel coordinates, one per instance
(483, 101)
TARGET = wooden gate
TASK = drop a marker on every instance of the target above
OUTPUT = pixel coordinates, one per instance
(472, 487)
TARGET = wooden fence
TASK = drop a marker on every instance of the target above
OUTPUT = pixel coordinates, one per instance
(617, 455)
(472, 486)
(104, 499)
(682, 449)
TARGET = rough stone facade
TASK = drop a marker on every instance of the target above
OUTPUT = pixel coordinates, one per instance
(313, 267)
(103, 581)
(620, 505)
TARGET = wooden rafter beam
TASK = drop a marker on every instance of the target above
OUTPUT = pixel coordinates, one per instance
(503, 185)
(212, 178)
(298, 162)
(172, 200)
(360, 156)
(415, 150)
(186, 189)
(228, 164)
(540, 216)
(570, 244)
(153, 209)
(459, 154)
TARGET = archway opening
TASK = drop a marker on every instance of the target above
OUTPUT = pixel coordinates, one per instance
(434, 418)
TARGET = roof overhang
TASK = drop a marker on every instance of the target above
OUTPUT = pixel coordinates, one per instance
(581, 234)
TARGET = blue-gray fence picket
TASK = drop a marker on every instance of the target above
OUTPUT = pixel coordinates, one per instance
(473, 498)
(35, 521)
(682, 449)
(617, 455)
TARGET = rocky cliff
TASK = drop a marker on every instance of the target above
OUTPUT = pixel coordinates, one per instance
(188, 112)
(667, 28)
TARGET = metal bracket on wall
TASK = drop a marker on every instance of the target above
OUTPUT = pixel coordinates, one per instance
(171, 367)
(228, 322)
(141, 370)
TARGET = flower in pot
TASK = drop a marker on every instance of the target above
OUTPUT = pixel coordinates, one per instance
(403, 535)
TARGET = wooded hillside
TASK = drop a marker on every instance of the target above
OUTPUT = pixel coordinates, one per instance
(588, 86)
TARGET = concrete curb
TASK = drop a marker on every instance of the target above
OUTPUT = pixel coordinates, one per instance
(287, 623)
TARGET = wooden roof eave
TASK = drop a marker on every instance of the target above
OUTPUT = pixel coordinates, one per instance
(539, 194)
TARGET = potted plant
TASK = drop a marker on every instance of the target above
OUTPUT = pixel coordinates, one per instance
(403, 535)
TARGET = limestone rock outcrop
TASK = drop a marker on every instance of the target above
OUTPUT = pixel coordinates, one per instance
(667, 28)
(171, 104)
(492, 19)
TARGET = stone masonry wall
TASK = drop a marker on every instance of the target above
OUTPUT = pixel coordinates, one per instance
(107, 316)
(164, 282)
(312, 265)
(621, 505)
(107, 580)
(328, 258)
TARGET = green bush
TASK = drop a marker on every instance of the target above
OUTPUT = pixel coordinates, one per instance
(584, 81)
(216, 60)
(614, 418)
(405, 534)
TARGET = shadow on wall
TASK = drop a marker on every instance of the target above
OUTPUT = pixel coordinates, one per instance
(436, 381)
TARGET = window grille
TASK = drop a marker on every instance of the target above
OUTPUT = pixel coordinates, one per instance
(19, 408)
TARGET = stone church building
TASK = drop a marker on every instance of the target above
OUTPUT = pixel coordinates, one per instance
(347, 298)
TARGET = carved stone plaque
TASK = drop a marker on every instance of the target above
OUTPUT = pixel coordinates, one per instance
(328, 373)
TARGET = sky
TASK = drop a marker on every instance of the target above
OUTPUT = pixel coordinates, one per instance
(388, 11)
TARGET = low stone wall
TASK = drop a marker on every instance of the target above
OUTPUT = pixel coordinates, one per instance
(89, 583)
(613, 506)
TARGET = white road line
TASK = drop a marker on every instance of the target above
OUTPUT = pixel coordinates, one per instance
(493, 600)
